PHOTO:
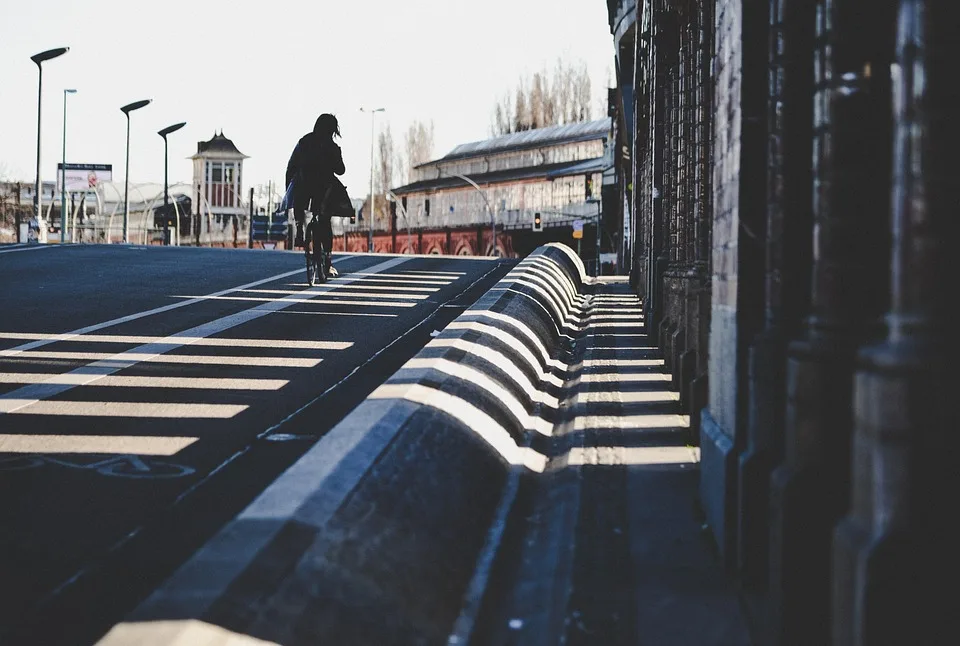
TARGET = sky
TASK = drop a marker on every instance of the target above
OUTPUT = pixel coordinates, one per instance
(261, 72)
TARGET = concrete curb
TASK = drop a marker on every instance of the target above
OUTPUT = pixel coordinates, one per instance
(385, 531)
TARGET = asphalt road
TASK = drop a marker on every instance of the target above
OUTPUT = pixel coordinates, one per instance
(148, 394)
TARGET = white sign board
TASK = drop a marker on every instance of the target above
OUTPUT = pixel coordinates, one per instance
(578, 225)
(84, 177)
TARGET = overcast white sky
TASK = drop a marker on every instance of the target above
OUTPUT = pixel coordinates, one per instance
(263, 71)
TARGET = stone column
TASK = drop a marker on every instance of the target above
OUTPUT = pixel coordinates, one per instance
(696, 393)
(852, 157)
(660, 139)
(895, 565)
(787, 293)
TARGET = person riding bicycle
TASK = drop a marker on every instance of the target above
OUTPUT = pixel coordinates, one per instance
(312, 166)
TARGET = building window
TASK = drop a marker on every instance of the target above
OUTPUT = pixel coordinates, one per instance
(228, 173)
(216, 172)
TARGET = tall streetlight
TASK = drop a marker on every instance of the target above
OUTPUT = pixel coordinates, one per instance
(63, 171)
(127, 109)
(493, 216)
(593, 200)
(373, 114)
(39, 59)
(391, 197)
(166, 191)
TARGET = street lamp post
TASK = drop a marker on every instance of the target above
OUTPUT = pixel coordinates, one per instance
(39, 59)
(166, 191)
(127, 109)
(63, 171)
(599, 213)
(373, 114)
(391, 196)
(493, 216)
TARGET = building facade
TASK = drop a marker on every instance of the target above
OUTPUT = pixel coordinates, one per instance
(788, 225)
(218, 177)
(532, 186)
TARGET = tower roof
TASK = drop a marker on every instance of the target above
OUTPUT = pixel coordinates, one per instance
(218, 144)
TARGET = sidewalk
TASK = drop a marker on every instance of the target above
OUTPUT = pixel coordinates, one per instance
(613, 547)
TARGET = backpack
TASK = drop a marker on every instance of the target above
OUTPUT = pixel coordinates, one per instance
(336, 203)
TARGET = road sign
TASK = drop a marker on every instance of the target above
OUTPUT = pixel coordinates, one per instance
(577, 229)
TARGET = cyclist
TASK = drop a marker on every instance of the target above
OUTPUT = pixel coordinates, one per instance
(312, 166)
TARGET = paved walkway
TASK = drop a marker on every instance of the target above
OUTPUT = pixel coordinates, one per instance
(614, 550)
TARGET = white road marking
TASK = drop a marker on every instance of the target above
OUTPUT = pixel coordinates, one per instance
(320, 301)
(437, 273)
(291, 344)
(29, 248)
(130, 381)
(387, 288)
(124, 409)
(402, 278)
(307, 299)
(66, 336)
(33, 393)
(163, 357)
(123, 444)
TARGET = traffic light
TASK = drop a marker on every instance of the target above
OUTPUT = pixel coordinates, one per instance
(426, 207)
(589, 187)
(353, 218)
(537, 222)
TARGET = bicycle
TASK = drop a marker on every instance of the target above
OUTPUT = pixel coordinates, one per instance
(122, 466)
(314, 252)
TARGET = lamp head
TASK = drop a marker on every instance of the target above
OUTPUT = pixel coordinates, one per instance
(166, 131)
(136, 105)
(70, 91)
(50, 53)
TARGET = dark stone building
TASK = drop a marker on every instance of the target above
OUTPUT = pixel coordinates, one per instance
(785, 166)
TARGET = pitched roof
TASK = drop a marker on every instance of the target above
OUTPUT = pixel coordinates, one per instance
(549, 171)
(551, 135)
(219, 144)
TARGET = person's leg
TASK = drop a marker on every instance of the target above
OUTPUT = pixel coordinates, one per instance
(299, 214)
(325, 233)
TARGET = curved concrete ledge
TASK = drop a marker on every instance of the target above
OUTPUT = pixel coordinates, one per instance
(384, 531)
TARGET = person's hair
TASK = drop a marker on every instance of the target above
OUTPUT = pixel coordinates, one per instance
(327, 126)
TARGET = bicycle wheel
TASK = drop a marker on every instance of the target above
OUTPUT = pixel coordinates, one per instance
(20, 462)
(140, 468)
(316, 268)
(309, 252)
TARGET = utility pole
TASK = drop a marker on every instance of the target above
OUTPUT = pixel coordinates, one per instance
(599, 211)
(373, 114)
(17, 212)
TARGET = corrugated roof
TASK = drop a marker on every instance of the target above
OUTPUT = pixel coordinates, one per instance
(549, 171)
(566, 133)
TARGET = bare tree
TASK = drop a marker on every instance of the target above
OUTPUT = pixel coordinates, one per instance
(538, 99)
(546, 101)
(563, 92)
(581, 93)
(503, 119)
(419, 145)
(521, 110)
(386, 165)
(550, 108)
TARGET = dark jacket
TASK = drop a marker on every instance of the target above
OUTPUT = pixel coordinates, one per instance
(314, 163)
